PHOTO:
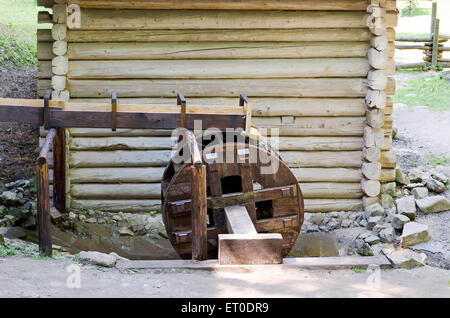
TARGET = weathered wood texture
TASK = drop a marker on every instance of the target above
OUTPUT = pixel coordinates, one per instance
(303, 64)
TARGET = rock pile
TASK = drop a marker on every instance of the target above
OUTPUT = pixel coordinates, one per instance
(17, 204)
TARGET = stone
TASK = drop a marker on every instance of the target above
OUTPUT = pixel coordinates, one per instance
(312, 228)
(315, 245)
(374, 220)
(414, 233)
(3, 211)
(388, 188)
(9, 220)
(400, 177)
(439, 177)
(399, 220)
(375, 210)
(419, 192)
(91, 220)
(406, 206)
(387, 235)
(346, 223)
(72, 215)
(435, 185)
(372, 240)
(117, 218)
(82, 217)
(415, 175)
(363, 248)
(334, 223)
(124, 231)
(97, 258)
(334, 214)
(405, 258)
(14, 232)
(411, 186)
(387, 201)
(434, 204)
(363, 223)
(11, 198)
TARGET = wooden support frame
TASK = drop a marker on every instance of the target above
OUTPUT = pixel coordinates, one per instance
(113, 111)
(43, 196)
(181, 101)
(247, 105)
(59, 170)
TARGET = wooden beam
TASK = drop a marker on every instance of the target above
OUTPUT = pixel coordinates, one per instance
(199, 213)
(59, 170)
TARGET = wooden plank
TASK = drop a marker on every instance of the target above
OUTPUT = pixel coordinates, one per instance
(340, 5)
(45, 69)
(322, 190)
(319, 143)
(43, 208)
(45, 51)
(103, 19)
(116, 191)
(198, 216)
(324, 263)
(199, 69)
(238, 220)
(250, 248)
(225, 35)
(59, 170)
(305, 87)
(214, 50)
(302, 107)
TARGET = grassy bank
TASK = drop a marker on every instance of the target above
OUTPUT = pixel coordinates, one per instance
(18, 23)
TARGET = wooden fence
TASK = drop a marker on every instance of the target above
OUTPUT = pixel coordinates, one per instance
(433, 46)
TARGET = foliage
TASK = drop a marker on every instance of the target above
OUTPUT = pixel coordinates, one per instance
(357, 269)
(411, 10)
(18, 24)
(428, 90)
(436, 160)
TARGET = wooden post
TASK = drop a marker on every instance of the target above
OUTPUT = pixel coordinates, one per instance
(59, 170)
(43, 197)
(435, 49)
(433, 17)
(199, 209)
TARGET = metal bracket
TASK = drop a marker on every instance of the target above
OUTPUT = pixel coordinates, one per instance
(113, 111)
(47, 98)
(181, 101)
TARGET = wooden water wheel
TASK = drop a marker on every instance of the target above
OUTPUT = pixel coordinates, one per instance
(255, 178)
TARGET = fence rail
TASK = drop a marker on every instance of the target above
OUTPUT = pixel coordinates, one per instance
(432, 46)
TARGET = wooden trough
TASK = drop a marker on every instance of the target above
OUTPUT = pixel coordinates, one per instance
(217, 203)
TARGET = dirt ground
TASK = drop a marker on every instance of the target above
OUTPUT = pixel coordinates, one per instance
(26, 277)
(18, 143)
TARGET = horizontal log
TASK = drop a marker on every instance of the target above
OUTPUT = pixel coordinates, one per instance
(104, 19)
(327, 174)
(44, 17)
(338, 5)
(116, 175)
(122, 143)
(331, 190)
(306, 107)
(128, 191)
(103, 132)
(320, 143)
(45, 69)
(45, 51)
(311, 87)
(214, 50)
(387, 175)
(44, 35)
(154, 174)
(227, 35)
(199, 69)
(311, 205)
(329, 205)
(119, 158)
(327, 159)
(132, 206)
(314, 126)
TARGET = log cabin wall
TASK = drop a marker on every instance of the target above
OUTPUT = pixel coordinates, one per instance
(304, 64)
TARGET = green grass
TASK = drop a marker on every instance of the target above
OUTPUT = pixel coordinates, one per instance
(18, 24)
(438, 160)
(412, 34)
(431, 91)
(415, 12)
